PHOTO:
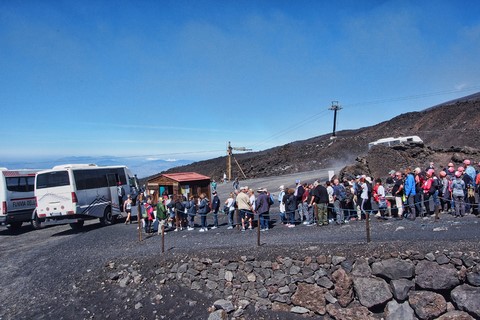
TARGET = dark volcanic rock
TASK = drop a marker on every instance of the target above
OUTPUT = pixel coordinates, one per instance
(431, 275)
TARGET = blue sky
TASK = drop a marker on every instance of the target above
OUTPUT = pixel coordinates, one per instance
(179, 79)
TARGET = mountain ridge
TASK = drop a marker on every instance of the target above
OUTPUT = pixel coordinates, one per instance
(445, 130)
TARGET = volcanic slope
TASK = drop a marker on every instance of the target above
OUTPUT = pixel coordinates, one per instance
(449, 131)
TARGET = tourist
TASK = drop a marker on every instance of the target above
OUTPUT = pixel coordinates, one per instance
(191, 207)
(418, 198)
(319, 202)
(339, 195)
(445, 193)
(140, 209)
(398, 193)
(303, 205)
(291, 207)
(203, 210)
(428, 191)
(161, 214)
(328, 185)
(379, 197)
(299, 190)
(363, 191)
(262, 206)
(244, 207)
(349, 208)
(235, 184)
(127, 207)
(179, 209)
(149, 216)
(169, 203)
(230, 209)
(458, 193)
(410, 193)
(215, 209)
(281, 201)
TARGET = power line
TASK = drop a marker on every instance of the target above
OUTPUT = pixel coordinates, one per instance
(357, 104)
(411, 97)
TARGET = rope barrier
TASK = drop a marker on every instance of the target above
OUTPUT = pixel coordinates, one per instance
(303, 211)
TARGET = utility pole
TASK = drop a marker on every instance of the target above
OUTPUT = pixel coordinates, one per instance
(335, 107)
(229, 159)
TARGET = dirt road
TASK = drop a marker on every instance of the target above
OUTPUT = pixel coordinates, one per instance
(58, 273)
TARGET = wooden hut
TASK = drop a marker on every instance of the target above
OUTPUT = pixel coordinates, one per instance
(183, 183)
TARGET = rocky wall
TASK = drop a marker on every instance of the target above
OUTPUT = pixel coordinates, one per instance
(410, 285)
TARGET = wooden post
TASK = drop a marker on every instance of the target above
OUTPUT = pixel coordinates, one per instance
(236, 219)
(163, 238)
(139, 230)
(258, 231)
(139, 217)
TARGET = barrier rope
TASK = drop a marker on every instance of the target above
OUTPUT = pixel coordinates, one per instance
(348, 213)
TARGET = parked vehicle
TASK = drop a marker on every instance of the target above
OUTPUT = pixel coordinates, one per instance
(73, 193)
(17, 199)
(395, 141)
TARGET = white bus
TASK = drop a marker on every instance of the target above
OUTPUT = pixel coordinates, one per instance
(73, 193)
(389, 142)
(17, 199)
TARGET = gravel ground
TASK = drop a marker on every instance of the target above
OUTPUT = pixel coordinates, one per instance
(58, 273)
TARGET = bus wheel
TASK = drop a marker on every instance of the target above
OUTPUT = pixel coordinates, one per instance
(77, 225)
(15, 225)
(36, 223)
(108, 217)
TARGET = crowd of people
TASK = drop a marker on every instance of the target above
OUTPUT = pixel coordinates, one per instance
(405, 194)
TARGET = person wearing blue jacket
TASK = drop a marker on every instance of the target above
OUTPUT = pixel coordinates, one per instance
(262, 207)
(410, 193)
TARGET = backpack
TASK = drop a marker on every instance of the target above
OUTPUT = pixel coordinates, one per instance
(208, 208)
(375, 193)
(436, 185)
(370, 189)
(342, 193)
(179, 206)
(348, 194)
(270, 200)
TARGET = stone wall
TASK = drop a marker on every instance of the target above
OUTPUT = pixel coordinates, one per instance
(410, 285)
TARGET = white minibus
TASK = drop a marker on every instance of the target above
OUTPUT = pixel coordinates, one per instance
(389, 142)
(17, 199)
(73, 193)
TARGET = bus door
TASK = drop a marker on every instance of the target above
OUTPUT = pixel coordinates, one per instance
(112, 186)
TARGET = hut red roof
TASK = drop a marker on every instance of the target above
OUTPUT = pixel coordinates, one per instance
(185, 176)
